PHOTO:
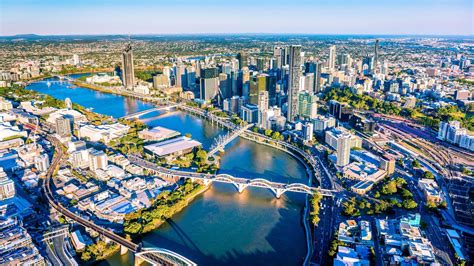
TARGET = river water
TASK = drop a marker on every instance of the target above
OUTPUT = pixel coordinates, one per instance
(222, 226)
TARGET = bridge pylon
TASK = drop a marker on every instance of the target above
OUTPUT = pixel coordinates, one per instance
(123, 250)
(279, 192)
(241, 187)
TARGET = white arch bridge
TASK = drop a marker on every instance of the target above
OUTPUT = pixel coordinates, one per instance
(164, 256)
(278, 189)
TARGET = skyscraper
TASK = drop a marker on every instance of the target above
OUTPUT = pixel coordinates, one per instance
(293, 81)
(332, 58)
(376, 54)
(64, 126)
(243, 59)
(128, 75)
(209, 83)
(343, 150)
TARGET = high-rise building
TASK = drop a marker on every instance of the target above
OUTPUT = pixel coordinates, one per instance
(97, 160)
(308, 131)
(128, 74)
(376, 54)
(332, 58)
(294, 81)
(307, 105)
(209, 83)
(243, 59)
(180, 76)
(161, 81)
(322, 123)
(64, 126)
(42, 162)
(249, 113)
(225, 86)
(340, 111)
(262, 106)
(343, 150)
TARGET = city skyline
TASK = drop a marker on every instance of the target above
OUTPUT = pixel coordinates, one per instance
(54, 17)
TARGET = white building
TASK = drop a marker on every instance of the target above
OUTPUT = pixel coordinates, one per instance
(103, 133)
(7, 187)
(97, 160)
(42, 162)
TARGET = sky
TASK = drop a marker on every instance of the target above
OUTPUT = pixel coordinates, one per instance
(67, 17)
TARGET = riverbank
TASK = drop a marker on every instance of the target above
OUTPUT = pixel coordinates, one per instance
(165, 205)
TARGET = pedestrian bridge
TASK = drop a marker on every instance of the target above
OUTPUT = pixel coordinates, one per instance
(164, 256)
(221, 142)
(151, 110)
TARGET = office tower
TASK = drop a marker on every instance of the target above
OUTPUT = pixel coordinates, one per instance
(245, 83)
(317, 78)
(209, 83)
(263, 100)
(42, 162)
(253, 91)
(64, 126)
(293, 81)
(332, 58)
(97, 160)
(161, 81)
(260, 64)
(190, 77)
(235, 86)
(322, 123)
(7, 186)
(307, 105)
(249, 113)
(343, 150)
(340, 111)
(128, 75)
(308, 131)
(308, 82)
(278, 54)
(376, 54)
(180, 76)
(262, 106)
(367, 65)
(225, 85)
(272, 89)
(243, 59)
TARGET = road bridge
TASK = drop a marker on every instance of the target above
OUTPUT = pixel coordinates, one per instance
(241, 184)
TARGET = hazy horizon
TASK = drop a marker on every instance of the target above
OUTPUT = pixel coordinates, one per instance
(323, 17)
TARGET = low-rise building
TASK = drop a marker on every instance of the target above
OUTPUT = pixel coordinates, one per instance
(104, 133)
(431, 190)
(172, 148)
(157, 134)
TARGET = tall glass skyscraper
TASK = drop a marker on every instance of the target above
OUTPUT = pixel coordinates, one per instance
(128, 75)
(332, 58)
(294, 81)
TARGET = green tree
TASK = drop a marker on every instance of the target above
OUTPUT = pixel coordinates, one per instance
(409, 204)
(428, 174)
(415, 164)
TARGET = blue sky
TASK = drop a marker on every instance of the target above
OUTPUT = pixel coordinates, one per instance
(440, 17)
